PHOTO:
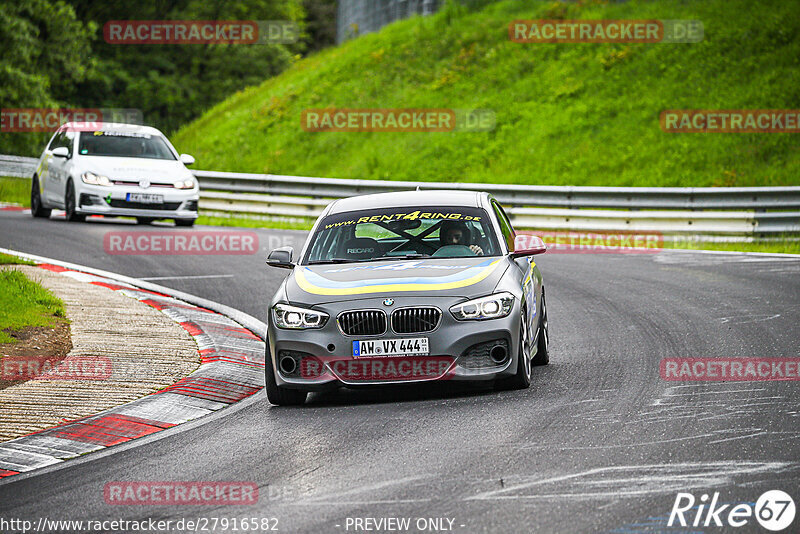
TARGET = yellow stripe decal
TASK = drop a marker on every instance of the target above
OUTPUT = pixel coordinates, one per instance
(308, 287)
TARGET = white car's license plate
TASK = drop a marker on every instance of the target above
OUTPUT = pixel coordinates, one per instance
(145, 198)
(391, 347)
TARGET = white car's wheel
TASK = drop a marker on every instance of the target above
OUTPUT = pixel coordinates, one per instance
(37, 209)
(69, 204)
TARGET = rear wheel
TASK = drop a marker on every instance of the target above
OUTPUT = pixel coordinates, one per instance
(37, 209)
(543, 342)
(69, 204)
(276, 394)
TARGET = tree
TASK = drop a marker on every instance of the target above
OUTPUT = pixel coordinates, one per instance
(45, 51)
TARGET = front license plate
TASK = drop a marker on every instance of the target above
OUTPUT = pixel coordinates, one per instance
(391, 347)
(145, 198)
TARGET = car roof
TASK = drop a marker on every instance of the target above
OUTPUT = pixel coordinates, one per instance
(114, 126)
(408, 199)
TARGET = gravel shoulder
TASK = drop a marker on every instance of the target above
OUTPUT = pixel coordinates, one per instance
(122, 349)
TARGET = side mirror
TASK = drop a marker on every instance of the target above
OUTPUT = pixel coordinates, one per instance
(528, 245)
(281, 257)
(61, 152)
(186, 159)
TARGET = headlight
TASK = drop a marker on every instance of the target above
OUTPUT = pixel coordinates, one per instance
(298, 318)
(184, 184)
(491, 307)
(95, 179)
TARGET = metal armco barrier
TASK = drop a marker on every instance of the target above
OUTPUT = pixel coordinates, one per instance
(713, 211)
(17, 166)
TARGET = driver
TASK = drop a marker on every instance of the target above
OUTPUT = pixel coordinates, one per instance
(457, 233)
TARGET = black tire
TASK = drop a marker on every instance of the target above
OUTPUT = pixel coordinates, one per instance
(184, 222)
(543, 339)
(144, 220)
(69, 204)
(277, 395)
(522, 378)
(37, 210)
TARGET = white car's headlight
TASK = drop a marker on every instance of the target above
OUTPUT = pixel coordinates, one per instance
(491, 307)
(298, 318)
(184, 184)
(95, 179)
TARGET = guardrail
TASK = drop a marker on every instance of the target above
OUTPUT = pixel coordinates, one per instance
(18, 166)
(712, 211)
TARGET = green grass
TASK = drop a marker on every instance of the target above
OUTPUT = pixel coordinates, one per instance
(15, 190)
(6, 259)
(782, 246)
(25, 303)
(580, 114)
(244, 222)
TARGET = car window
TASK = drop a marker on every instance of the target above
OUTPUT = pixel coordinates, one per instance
(384, 234)
(68, 140)
(53, 142)
(59, 140)
(124, 145)
(505, 225)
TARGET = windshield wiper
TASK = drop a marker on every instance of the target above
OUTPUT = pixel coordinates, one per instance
(333, 260)
(411, 256)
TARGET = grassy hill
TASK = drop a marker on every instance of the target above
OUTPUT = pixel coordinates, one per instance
(580, 114)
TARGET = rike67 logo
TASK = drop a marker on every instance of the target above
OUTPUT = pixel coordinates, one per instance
(774, 510)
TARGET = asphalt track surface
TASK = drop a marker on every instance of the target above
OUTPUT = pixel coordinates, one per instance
(598, 443)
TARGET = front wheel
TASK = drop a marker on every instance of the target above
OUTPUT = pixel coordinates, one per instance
(522, 378)
(543, 343)
(69, 204)
(37, 209)
(276, 394)
(184, 222)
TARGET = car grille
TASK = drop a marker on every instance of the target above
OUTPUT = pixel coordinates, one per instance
(363, 323)
(477, 356)
(117, 203)
(415, 320)
(136, 184)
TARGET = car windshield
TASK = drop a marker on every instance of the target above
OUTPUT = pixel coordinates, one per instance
(394, 233)
(124, 145)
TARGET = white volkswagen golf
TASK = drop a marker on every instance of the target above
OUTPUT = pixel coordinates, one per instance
(117, 170)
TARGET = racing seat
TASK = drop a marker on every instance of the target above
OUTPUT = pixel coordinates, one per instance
(360, 248)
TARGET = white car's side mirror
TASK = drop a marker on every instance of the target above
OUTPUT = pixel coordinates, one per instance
(187, 159)
(61, 152)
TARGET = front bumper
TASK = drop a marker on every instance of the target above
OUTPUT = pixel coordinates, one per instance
(99, 200)
(452, 344)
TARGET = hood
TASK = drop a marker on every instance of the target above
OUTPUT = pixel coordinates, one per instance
(464, 277)
(135, 169)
